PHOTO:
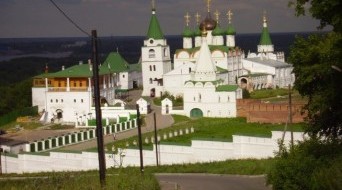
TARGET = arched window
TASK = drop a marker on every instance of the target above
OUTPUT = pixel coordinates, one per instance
(154, 68)
(189, 69)
(151, 81)
(150, 67)
(151, 53)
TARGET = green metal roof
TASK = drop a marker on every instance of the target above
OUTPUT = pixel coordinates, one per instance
(227, 88)
(188, 33)
(218, 31)
(198, 32)
(154, 30)
(230, 30)
(75, 71)
(221, 70)
(114, 63)
(265, 38)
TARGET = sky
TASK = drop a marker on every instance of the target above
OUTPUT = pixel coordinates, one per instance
(39, 18)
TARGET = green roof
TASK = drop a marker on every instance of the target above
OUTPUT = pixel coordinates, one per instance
(227, 88)
(230, 30)
(221, 70)
(218, 31)
(255, 75)
(265, 38)
(154, 30)
(187, 32)
(198, 32)
(114, 63)
(75, 71)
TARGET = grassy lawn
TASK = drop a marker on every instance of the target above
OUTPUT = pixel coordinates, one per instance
(212, 129)
(120, 179)
(130, 178)
(11, 127)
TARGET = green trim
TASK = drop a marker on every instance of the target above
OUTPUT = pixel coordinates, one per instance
(221, 70)
(154, 30)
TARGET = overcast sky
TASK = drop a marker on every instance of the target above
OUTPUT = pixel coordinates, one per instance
(39, 18)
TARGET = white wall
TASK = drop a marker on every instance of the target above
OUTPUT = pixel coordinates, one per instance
(38, 97)
(199, 151)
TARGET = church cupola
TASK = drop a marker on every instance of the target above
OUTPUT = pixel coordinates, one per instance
(155, 58)
(154, 29)
(218, 32)
(265, 44)
(198, 33)
(187, 33)
(208, 24)
(230, 31)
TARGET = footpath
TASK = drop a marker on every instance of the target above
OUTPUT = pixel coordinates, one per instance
(162, 121)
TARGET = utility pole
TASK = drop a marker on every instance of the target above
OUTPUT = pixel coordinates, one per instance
(99, 130)
(140, 141)
(290, 115)
(155, 137)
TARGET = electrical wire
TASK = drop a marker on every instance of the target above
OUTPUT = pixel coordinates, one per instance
(69, 19)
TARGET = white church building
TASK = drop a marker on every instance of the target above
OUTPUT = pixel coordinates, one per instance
(209, 72)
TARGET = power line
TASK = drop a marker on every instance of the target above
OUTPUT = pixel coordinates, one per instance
(70, 20)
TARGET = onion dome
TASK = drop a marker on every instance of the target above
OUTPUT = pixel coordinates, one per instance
(187, 33)
(230, 30)
(208, 23)
(198, 32)
(218, 31)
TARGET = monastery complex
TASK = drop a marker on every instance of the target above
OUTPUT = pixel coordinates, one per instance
(209, 73)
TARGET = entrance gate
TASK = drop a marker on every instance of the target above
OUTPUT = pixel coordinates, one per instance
(196, 112)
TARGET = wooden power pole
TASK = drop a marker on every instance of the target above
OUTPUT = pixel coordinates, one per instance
(99, 130)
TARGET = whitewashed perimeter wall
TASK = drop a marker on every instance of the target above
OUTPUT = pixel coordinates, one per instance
(199, 151)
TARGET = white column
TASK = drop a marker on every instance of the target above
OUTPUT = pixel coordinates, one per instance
(68, 84)
(104, 82)
(46, 84)
(89, 84)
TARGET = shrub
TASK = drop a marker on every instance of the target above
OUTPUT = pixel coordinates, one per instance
(312, 164)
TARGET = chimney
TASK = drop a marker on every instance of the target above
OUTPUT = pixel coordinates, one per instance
(80, 62)
(63, 68)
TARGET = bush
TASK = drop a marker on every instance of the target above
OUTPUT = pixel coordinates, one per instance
(12, 116)
(312, 164)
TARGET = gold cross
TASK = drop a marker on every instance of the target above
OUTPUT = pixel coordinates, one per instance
(264, 17)
(217, 14)
(198, 17)
(229, 14)
(187, 18)
(208, 5)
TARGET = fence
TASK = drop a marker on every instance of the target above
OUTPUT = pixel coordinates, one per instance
(77, 137)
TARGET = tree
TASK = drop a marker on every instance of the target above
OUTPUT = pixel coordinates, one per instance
(327, 11)
(317, 62)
